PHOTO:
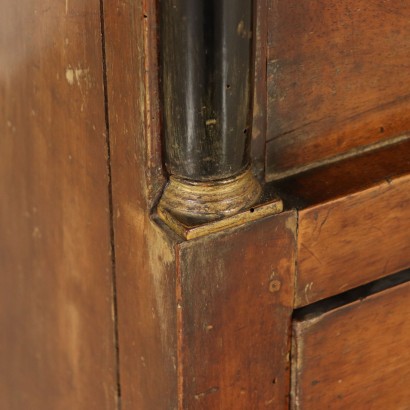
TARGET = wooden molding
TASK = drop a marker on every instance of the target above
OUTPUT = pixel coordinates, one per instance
(212, 199)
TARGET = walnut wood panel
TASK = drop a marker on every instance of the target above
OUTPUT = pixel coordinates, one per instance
(342, 178)
(145, 257)
(57, 347)
(347, 183)
(356, 356)
(259, 106)
(235, 301)
(337, 79)
(353, 240)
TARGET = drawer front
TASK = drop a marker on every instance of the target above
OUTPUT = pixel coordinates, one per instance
(353, 240)
(356, 356)
(335, 85)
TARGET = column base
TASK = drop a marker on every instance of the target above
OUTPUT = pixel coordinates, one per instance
(210, 200)
(194, 209)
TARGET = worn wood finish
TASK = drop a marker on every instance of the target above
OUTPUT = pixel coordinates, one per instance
(144, 254)
(235, 292)
(356, 356)
(337, 76)
(57, 347)
(353, 221)
(326, 183)
(206, 113)
(353, 240)
(259, 101)
(207, 126)
(205, 323)
(155, 363)
(132, 74)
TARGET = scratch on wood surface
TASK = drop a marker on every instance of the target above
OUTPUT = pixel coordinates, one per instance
(291, 224)
(309, 251)
(308, 289)
(70, 332)
(210, 122)
(160, 254)
(69, 75)
(324, 221)
(78, 75)
(212, 390)
(36, 233)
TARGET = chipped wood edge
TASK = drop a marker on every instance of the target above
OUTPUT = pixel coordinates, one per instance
(192, 231)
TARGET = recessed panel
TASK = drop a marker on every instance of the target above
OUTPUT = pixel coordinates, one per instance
(338, 79)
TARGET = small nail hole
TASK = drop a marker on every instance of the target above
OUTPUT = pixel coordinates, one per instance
(252, 210)
(228, 86)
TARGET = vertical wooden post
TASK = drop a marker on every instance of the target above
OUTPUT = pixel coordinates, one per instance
(206, 54)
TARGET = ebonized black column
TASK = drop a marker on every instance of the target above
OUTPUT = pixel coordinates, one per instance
(205, 59)
(205, 65)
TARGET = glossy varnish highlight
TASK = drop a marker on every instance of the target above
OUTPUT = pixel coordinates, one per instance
(206, 68)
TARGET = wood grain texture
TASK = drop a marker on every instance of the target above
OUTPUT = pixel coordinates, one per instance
(352, 240)
(337, 75)
(259, 101)
(145, 256)
(356, 356)
(57, 346)
(235, 301)
(345, 177)
(352, 211)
